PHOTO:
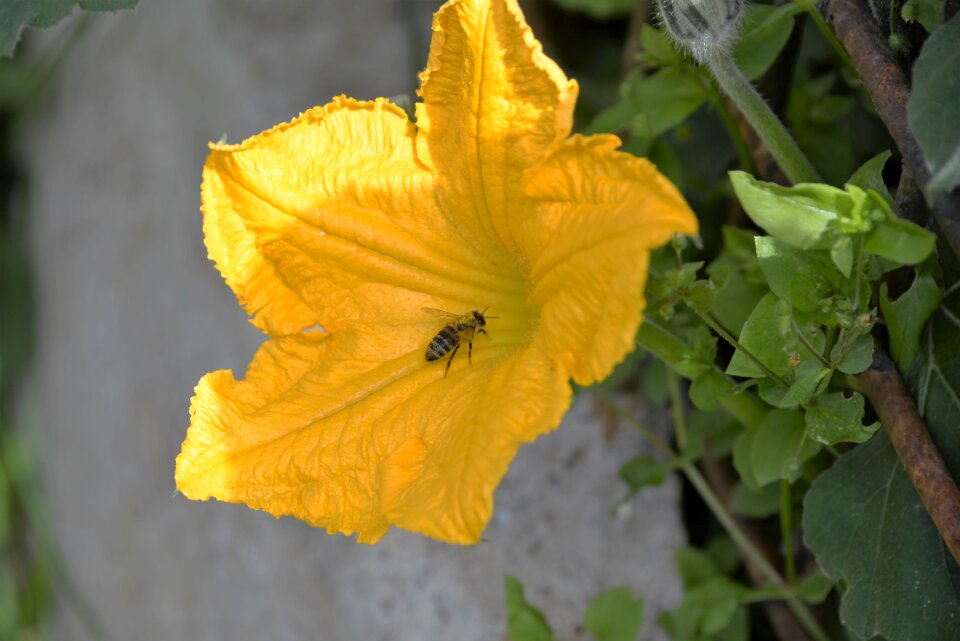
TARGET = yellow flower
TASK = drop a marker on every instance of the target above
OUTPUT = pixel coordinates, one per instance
(337, 229)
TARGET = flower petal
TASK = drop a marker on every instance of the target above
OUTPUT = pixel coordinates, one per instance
(355, 431)
(492, 104)
(600, 212)
(331, 219)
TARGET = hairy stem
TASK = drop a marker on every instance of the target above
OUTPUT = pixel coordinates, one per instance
(758, 113)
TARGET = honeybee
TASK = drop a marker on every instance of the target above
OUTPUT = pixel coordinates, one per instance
(459, 328)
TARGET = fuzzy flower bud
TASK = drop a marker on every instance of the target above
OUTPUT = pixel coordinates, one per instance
(707, 28)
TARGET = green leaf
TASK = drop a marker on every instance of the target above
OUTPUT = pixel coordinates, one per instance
(724, 553)
(798, 215)
(745, 283)
(598, 9)
(716, 428)
(870, 176)
(769, 335)
(803, 278)
(841, 253)
(706, 391)
(901, 241)
(650, 105)
(642, 471)
(658, 48)
(814, 587)
(779, 447)
(907, 316)
(838, 419)
(614, 615)
(16, 14)
(858, 357)
(933, 109)
(709, 612)
(808, 376)
(887, 550)
(695, 566)
(926, 12)
(755, 504)
(524, 621)
(764, 32)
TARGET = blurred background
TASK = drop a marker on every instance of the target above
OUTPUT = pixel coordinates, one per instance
(110, 312)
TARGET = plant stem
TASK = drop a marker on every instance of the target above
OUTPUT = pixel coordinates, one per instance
(676, 406)
(799, 608)
(810, 348)
(775, 136)
(645, 431)
(749, 550)
(743, 152)
(786, 532)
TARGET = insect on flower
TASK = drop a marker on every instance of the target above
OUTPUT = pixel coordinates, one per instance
(458, 328)
(353, 217)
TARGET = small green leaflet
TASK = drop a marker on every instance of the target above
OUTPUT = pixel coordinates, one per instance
(614, 615)
(524, 621)
(838, 419)
(907, 316)
(764, 33)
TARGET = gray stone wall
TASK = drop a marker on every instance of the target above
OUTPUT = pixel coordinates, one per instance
(131, 314)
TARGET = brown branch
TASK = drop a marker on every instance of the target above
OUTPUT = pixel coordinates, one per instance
(722, 478)
(889, 89)
(915, 447)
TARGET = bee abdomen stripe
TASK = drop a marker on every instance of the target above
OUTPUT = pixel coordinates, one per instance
(442, 343)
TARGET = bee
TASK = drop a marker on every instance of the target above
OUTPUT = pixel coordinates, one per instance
(459, 328)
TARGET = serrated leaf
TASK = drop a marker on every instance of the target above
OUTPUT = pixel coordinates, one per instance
(907, 316)
(764, 32)
(779, 447)
(870, 176)
(888, 551)
(802, 278)
(933, 109)
(524, 621)
(798, 215)
(858, 357)
(16, 14)
(838, 419)
(614, 615)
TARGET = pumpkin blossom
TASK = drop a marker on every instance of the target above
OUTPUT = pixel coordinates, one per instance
(337, 229)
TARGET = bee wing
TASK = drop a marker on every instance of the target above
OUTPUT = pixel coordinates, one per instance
(439, 313)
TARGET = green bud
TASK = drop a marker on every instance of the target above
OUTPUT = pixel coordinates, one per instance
(707, 28)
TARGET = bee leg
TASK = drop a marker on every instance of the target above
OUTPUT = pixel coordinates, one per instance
(450, 360)
(469, 352)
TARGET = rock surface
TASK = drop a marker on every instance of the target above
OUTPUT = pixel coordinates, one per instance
(131, 314)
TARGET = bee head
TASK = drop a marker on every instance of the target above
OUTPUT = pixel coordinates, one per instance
(479, 317)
